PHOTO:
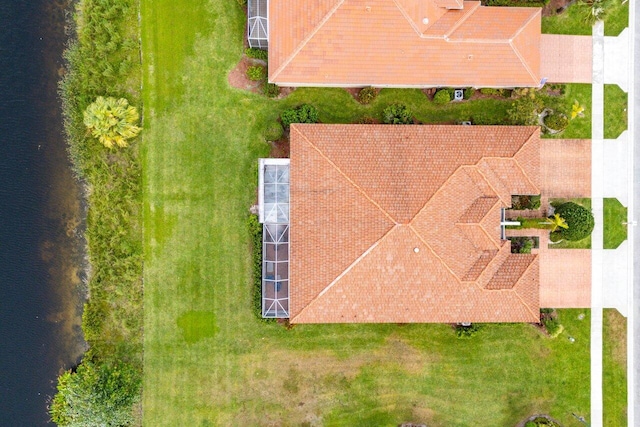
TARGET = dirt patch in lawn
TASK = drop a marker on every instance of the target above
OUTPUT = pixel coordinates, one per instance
(280, 148)
(238, 76)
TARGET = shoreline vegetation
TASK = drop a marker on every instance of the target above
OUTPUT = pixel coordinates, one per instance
(103, 59)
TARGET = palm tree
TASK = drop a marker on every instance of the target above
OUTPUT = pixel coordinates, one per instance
(113, 121)
(556, 221)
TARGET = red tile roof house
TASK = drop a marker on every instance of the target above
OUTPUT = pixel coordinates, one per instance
(404, 224)
(402, 43)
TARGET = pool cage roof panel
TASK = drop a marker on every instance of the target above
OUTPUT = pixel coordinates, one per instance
(273, 199)
(258, 23)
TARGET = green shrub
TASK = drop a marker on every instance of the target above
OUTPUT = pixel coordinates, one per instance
(530, 424)
(305, 113)
(556, 121)
(523, 244)
(555, 237)
(552, 325)
(256, 72)
(491, 91)
(578, 218)
(255, 232)
(464, 332)
(253, 52)
(97, 394)
(397, 114)
(367, 95)
(270, 90)
(442, 97)
(524, 111)
(468, 93)
(525, 202)
(273, 132)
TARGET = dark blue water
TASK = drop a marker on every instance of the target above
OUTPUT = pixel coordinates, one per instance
(40, 211)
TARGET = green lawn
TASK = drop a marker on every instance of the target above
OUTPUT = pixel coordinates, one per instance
(579, 244)
(614, 369)
(208, 360)
(615, 111)
(615, 231)
(572, 20)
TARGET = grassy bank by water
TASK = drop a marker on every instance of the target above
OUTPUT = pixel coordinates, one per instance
(208, 360)
(104, 59)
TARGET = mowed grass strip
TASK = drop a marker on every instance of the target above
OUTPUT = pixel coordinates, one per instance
(208, 360)
(614, 369)
(573, 19)
(615, 111)
(615, 219)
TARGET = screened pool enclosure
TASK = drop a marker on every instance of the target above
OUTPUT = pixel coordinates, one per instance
(258, 23)
(273, 201)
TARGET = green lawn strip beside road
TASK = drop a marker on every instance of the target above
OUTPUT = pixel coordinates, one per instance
(614, 369)
(615, 228)
(572, 20)
(208, 360)
(615, 111)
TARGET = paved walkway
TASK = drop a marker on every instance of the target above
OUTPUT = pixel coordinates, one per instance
(597, 175)
(611, 173)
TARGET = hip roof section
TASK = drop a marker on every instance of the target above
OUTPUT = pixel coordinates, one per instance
(402, 43)
(410, 232)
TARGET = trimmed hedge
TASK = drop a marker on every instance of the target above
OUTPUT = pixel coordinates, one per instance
(578, 218)
(304, 113)
(253, 52)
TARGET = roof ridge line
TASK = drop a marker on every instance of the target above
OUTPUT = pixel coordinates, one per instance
(437, 191)
(483, 229)
(357, 187)
(526, 22)
(515, 49)
(413, 230)
(346, 270)
(485, 178)
(304, 42)
(407, 17)
(461, 21)
(519, 280)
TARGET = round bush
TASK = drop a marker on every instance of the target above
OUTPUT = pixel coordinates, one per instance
(578, 218)
(442, 97)
(273, 132)
(367, 95)
(556, 121)
(397, 114)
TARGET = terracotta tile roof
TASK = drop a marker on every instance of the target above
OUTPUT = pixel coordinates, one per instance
(402, 43)
(402, 223)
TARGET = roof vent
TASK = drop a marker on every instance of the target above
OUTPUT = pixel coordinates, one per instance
(368, 8)
(425, 21)
(416, 250)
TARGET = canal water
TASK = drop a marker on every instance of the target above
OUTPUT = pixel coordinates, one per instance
(41, 291)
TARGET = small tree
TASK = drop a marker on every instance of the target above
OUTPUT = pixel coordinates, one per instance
(579, 221)
(113, 121)
(556, 221)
